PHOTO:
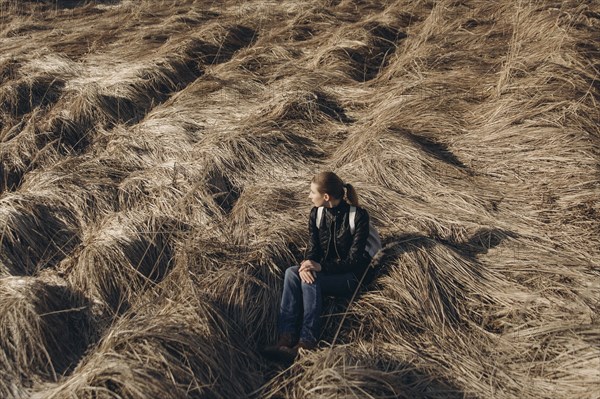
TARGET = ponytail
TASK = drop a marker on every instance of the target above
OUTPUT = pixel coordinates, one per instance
(351, 197)
(330, 183)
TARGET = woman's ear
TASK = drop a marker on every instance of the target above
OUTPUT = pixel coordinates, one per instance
(326, 197)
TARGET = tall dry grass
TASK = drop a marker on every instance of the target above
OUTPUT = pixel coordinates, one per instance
(46, 327)
(154, 169)
(166, 350)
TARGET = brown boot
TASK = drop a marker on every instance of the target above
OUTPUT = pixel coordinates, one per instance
(308, 345)
(287, 340)
(285, 350)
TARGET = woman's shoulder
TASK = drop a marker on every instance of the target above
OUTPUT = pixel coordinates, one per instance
(362, 215)
(313, 212)
(360, 209)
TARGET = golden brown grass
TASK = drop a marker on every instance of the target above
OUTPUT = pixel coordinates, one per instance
(154, 167)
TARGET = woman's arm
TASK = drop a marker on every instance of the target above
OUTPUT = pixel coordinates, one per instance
(314, 251)
(356, 260)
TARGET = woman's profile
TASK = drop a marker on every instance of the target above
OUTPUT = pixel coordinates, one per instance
(335, 260)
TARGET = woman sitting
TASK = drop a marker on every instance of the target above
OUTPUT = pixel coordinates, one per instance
(334, 263)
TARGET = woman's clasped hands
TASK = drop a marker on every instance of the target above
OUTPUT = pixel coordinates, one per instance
(307, 271)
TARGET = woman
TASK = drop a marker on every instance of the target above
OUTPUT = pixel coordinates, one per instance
(334, 263)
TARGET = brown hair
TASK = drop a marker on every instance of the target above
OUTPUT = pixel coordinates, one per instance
(330, 183)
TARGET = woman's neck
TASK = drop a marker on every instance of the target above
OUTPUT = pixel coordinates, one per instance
(334, 203)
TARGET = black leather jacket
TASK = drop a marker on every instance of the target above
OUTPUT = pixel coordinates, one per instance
(333, 246)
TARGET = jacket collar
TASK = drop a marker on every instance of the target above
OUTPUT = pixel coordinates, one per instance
(340, 208)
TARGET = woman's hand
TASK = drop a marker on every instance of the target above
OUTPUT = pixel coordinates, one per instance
(307, 276)
(307, 271)
(310, 265)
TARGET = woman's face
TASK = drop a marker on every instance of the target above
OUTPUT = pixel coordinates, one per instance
(317, 198)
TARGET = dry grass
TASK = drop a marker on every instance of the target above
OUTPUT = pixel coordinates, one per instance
(121, 256)
(36, 233)
(154, 168)
(360, 371)
(45, 329)
(172, 344)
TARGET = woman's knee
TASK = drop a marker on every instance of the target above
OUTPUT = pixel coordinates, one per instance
(316, 282)
(292, 274)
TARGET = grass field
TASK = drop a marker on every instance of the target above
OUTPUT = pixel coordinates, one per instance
(155, 160)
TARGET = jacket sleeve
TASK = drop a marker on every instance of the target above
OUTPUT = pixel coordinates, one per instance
(314, 250)
(357, 258)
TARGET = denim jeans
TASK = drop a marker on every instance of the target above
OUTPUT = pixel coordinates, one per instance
(302, 302)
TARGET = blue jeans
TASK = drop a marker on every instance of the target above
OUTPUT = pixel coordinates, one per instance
(302, 299)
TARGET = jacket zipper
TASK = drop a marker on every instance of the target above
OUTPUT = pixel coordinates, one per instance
(334, 238)
(328, 241)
